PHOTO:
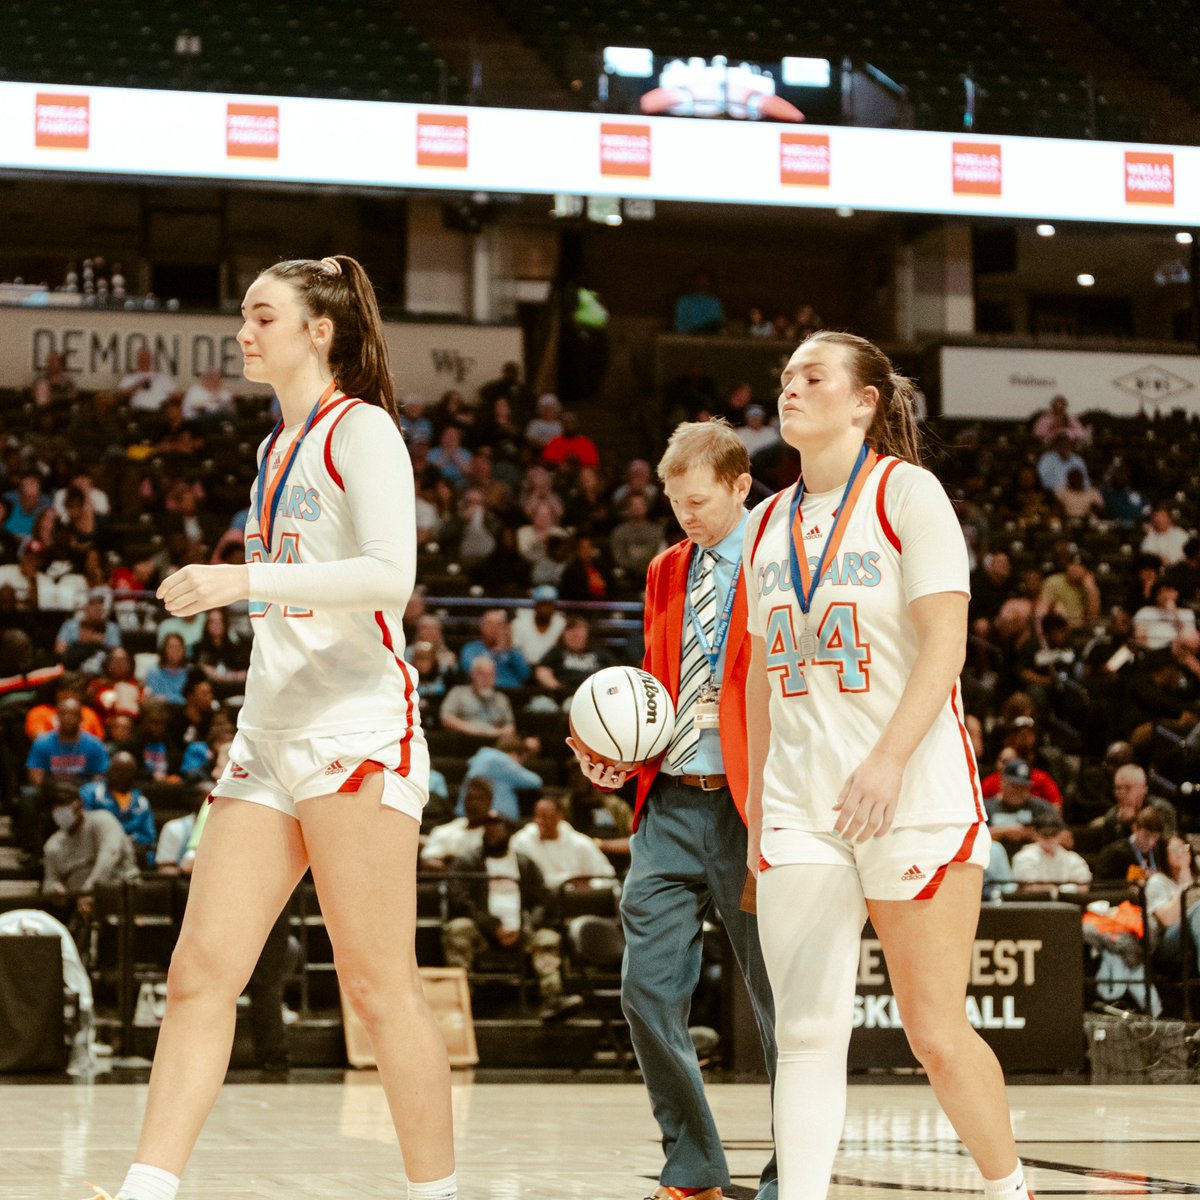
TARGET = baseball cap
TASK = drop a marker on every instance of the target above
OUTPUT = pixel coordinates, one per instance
(544, 593)
(1050, 822)
(1016, 770)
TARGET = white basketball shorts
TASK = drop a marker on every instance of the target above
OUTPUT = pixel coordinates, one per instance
(908, 863)
(281, 774)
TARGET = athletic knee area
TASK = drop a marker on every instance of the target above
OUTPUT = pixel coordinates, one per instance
(937, 1040)
(197, 970)
(800, 1036)
(378, 997)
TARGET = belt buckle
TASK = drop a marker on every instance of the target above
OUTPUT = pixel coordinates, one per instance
(705, 786)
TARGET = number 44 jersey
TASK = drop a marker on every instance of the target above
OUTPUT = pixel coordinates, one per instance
(837, 675)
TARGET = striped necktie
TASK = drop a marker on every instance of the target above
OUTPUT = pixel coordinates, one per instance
(694, 670)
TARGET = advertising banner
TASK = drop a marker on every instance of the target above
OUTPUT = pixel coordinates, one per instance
(992, 383)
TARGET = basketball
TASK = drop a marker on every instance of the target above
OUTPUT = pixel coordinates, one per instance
(622, 715)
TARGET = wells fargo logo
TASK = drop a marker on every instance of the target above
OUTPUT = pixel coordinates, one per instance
(62, 122)
(442, 141)
(1149, 177)
(977, 169)
(625, 150)
(252, 130)
(804, 159)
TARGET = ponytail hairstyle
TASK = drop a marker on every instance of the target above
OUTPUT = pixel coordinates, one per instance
(338, 288)
(894, 428)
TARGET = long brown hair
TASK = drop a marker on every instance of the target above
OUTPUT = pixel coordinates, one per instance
(338, 288)
(894, 429)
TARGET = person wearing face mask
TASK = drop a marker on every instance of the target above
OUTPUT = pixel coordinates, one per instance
(87, 849)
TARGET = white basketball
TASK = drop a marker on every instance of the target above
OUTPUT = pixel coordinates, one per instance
(622, 714)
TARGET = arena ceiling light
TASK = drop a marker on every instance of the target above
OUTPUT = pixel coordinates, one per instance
(807, 72)
(1183, 238)
(1045, 230)
(1085, 280)
(632, 62)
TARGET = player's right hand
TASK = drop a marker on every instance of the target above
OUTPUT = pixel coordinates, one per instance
(599, 773)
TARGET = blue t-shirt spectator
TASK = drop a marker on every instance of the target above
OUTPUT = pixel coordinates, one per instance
(168, 683)
(507, 777)
(80, 759)
(19, 522)
(512, 670)
(1053, 470)
(699, 312)
(137, 818)
(68, 633)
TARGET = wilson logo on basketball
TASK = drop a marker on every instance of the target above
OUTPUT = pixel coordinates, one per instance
(62, 122)
(252, 130)
(625, 150)
(977, 169)
(804, 159)
(1149, 178)
(443, 140)
(650, 686)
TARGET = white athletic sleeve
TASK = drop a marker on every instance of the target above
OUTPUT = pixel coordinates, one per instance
(933, 551)
(373, 461)
(758, 515)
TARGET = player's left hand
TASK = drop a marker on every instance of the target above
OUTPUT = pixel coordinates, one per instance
(196, 589)
(867, 802)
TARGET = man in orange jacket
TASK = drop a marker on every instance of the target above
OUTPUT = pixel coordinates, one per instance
(689, 843)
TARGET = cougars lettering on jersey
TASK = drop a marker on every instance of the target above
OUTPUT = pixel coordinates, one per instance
(315, 672)
(901, 541)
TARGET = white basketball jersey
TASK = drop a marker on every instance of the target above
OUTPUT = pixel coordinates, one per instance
(828, 710)
(316, 672)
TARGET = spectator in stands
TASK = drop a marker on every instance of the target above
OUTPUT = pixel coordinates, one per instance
(533, 540)
(1143, 586)
(510, 387)
(498, 899)
(454, 838)
(1041, 783)
(560, 852)
(429, 630)
(43, 718)
(477, 708)
(741, 397)
(209, 399)
(639, 480)
(417, 427)
(1056, 422)
(502, 427)
(96, 498)
(25, 502)
(536, 630)
(1058, 462)
(1174, 905)
(119, 795)
(537, 487)
(434, 682)
(1164, 538)
(1043, 668)
(547, 425)
(220, 653)
(1136, 857)
(1030, 501)
(756, 434)
(177, 832)
(1158, 625)
(1154, 690)
(190, 629)
(997, 875)
(88, 850)
(1185, 574)
(569, 663)
(1046, 865)
(1079, 500)
(67, 752)
(1132, 795)
(453, 410)
(571, 446)
(1072, 593)
(991, 586)
(584, 577)
(503, 766)
(1122, 501)
(168, 678)
(474, 532)
(602, 816)
(54, 388)
(192, 720)
(33, 590)
(1011, 814)
(757, 325)
(699, 310)
(95, 608)
(434, 504)
(97, 421)
(117, 692)
(637, 539)
(451, 458)
(155, 745)
(147, 388)
(496, 641)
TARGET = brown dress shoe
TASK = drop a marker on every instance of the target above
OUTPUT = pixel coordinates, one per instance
(671, 1193)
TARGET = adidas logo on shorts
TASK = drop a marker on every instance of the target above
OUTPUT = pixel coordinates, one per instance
(913, 874)
(335, 768)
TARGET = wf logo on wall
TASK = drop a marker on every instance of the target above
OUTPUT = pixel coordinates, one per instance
(451, 362)
(1153, 383)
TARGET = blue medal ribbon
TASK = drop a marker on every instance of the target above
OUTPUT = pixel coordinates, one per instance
(712, 652)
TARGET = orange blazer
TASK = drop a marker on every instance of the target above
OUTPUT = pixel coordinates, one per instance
(666, 587)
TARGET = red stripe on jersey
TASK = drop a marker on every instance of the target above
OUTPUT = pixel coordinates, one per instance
(359, 775)
(885, 524)
(964, 852)
(409, 695)
(763, 527)
(333, 471)
(970, 757)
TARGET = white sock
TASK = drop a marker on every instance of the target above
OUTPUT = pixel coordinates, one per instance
(435, 1189)
(1011, 1187)
(148, 1183)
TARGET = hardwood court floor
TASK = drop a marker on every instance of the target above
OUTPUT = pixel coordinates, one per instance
(587, 1141)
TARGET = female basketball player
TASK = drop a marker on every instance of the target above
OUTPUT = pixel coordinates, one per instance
(329, 767)
(864, 796)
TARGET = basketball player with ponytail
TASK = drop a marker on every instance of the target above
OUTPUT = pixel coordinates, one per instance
(329, 769)
(864, 795)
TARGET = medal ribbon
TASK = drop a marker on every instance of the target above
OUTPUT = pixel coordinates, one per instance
(804, 582)
(721, 629)
(266, 511)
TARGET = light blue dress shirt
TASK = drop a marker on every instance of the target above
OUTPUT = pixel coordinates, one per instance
(707, 759)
